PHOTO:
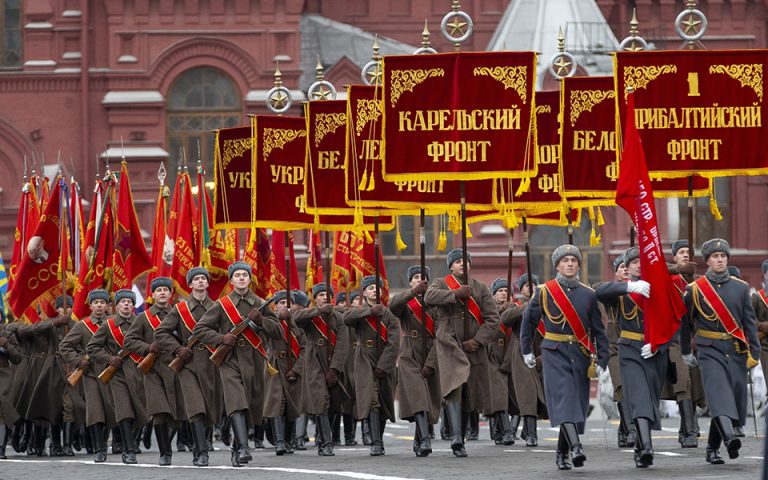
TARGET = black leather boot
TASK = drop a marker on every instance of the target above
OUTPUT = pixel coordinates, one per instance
(562, 458)
(258, 436)
(473, 428)
(301, 432)
(3, 438)
(453, 411)
(687, 436)
(127, 440)
(350, 427)
(713, 445)
(365, 431)
(163, 435)
(445, 428)
(424, 447)
(325, 436)
(732, 443)
(531, 438)
(146, 435)
(505, 429)
(117, 441)
(336, 428)
(278, 431)
(514, 424)
(572, 437)
(226, 433)
(99, 442)
(68, 429)
(199, 442)
(241, 454)
(630, 435)
(41, 435)
(374, 423)
(643, 445)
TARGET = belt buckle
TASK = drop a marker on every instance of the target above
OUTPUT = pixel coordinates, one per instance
(200, 346)
(240, 342)
(321, 341)
(283, 354)
(501, 342)
(369, 343)
(414, 334)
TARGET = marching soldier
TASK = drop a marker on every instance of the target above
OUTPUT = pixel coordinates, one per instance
(574, 333)
(461, 340)
(107, 349)
(626, 431)
(325, 354)
(376, 333)
(163, 394)
(10, 354)
(643, 369)
(727, 346)
(299, 437)
(242, 372)
(687, 390)
(502, 397)
(418, 386)
(199, 380)
(348, 407)
(99, 410)
(760, 304)
(526, 383)
(283, 390)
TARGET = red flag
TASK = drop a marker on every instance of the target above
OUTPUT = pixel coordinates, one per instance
(129, 257)
(258, 254)
(173, 218)
(162, 268)
(185, 256)
(40, 267)
(77, 225)
(315, 273)
(341, 270)
(664, 309)
(217, 248)
(362, 257)
(278, 252)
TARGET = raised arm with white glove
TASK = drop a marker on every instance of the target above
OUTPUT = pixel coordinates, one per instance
(639, 286)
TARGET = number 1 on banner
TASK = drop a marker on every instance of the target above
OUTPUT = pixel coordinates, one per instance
(693, 84)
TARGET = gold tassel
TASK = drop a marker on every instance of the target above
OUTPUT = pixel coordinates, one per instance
(600, 219)
(469, 232)
(453, 222)
(363, 182)
(368, 237)
(594, 238)
(371, 183)
(591, 213)
(230, 251)
(442, 241)
(510, 220)
(525, 185)
(398, 238)
(713, 205)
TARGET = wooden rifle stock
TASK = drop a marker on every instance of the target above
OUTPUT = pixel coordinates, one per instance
(146, 364)
(109, 372)
(222, 351)
(75, 377)
(178, 363)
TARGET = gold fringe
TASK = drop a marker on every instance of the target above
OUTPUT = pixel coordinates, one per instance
(713, 206)
(363, 182)
(371, 183)
(600, 219)
(442, 242)
(525, 185)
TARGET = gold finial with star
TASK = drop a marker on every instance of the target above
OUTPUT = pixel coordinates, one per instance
(634, 42)
(372, 71)
(691, 24)
(457, 25)
(562, 64)
(279, 98)
(321, 89)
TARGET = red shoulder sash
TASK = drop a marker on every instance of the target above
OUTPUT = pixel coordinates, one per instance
(188, 319)
(234, 317)
(325, 329)
(472, 306)
(154, 322)
(289, 337)
(416, 309)
(90, 325)
(382, 329)
(721, 310)
(117, 334)
(568, 310)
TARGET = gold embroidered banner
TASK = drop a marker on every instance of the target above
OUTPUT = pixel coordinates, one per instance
(458, 116)
(232, 178)
(588, 165)
(698, 112)
(365, 186)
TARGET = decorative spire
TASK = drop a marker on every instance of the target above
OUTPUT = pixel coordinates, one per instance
(425, 45)
(634, 42)
(562, 64)
(279, 98)
(321, 89)
(372, 71)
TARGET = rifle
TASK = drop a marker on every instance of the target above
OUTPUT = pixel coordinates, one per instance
(109, 372)
(222, 351)
(75, 377)
(178, 363)
(146, 364)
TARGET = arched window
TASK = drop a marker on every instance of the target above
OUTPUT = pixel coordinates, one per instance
(10, 33)
(200, 101)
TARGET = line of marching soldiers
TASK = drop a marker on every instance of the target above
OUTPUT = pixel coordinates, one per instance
(442, 345)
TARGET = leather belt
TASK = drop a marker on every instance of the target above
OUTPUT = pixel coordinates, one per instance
(632, 335)
(714, 335)
(558, 337)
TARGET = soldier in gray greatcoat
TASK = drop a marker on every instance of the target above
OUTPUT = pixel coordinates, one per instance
(643, 370)
(325, 354)
(726, 345)
(242, 372)
(462, 355)
(99, 410)
(199, 380)
(126, 385)
(418, 385)
(565, 356)
(760, 304)
(377, 333)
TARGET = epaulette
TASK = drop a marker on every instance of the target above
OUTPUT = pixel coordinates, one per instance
(587, 286)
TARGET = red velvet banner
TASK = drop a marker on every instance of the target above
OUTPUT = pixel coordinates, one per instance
(365, 186)
(698, 112)
(589, 166)
(458, 116)
(232, 178)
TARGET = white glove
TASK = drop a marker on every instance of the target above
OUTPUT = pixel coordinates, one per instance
(529, 360)
(646, 351)
(690, 360)
(600, 370)
(640, 286)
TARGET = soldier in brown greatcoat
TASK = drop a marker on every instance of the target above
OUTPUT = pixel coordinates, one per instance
(161, 386)
(502, 400)
(348, 406)
(243, 370)
(325, 354)
(126, 385)
(199, 380)
(461, 353)
(283, 389)
(99, 410)
(527, 383)
(377, 334)
(10, 355)
(760, 304)
(418, 384)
